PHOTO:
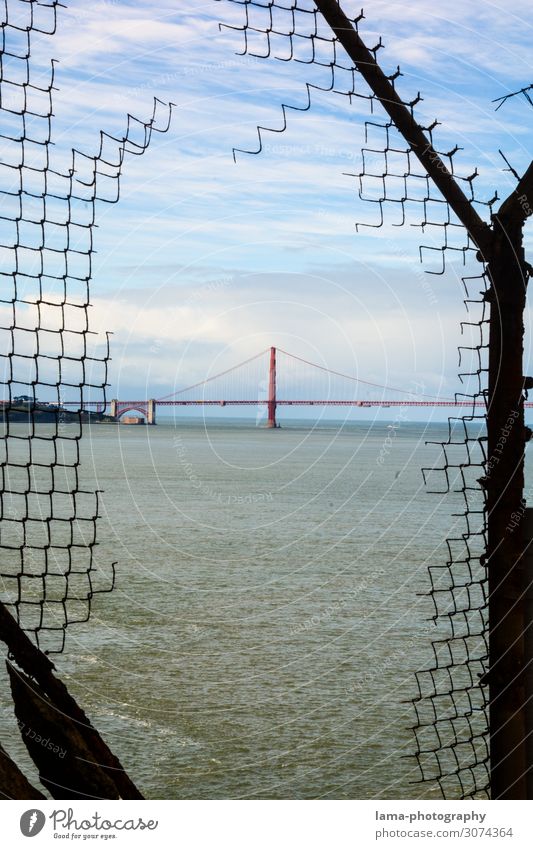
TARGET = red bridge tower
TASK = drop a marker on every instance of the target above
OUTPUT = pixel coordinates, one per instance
(272, 390)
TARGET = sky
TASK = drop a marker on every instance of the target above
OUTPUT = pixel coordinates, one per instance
(209, 260)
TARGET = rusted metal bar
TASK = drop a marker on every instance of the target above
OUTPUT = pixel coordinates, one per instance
(61, 749)
(505, 490)
(39, 667)
(509, 614)
(13, 782)
(527, 536)
(382, 87)
(528, 647)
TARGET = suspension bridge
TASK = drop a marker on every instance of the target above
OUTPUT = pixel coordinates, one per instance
(275, 378)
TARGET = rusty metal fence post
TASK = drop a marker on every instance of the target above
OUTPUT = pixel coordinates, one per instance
(505, 489)
(528, 646)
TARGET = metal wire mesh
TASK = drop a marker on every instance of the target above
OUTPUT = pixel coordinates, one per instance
(48, 354)
(451, 707)
(451, 717)
(296, 31)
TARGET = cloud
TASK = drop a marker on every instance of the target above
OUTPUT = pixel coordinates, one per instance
(279, 222)
(171, 337)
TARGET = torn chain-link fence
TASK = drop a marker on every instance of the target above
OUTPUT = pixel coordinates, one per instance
(451, 727)
(48, 571)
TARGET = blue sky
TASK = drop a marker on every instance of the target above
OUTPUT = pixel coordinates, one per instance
(205, 259)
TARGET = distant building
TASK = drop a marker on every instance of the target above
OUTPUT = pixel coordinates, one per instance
(132, 420)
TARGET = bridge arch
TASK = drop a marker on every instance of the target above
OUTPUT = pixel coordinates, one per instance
(146, 408)
(138, 408)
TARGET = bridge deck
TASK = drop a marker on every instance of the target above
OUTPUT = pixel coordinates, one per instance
(291, 403)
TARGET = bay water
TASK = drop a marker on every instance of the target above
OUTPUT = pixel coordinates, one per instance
(269, 610)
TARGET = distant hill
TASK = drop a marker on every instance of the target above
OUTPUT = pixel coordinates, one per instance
(26, 411)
